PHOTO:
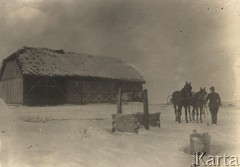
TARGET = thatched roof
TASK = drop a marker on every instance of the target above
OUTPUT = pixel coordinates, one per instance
(49, 62)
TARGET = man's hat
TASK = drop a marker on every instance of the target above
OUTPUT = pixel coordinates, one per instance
(212, 88)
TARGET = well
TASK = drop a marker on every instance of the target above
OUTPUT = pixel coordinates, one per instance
(125, 123)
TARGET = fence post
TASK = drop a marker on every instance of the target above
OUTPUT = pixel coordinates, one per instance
(145, 109)
(119, 101)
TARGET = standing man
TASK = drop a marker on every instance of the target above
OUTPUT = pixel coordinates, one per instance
(214, 104)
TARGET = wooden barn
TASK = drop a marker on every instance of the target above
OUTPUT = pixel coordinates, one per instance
(42, 76)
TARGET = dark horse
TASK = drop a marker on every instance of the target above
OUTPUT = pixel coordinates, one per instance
(198, 101)
(182, 99)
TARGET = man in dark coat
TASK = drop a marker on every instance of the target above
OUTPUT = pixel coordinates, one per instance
(214, 104)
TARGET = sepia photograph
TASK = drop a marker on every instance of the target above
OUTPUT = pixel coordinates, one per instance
(119, 83)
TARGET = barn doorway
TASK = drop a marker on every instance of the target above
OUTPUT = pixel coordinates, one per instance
(44, 91)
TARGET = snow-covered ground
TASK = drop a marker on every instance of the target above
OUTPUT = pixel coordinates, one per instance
(80, 135)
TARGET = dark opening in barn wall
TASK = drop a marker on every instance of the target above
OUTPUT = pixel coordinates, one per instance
(44, 90)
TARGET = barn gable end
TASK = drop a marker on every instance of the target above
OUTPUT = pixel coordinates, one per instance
(10, 71)
(11, 85)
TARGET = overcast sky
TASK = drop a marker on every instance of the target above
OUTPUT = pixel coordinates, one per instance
(168, 41)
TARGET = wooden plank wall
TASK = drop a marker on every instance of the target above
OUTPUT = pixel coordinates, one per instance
(11, 71)
(12, 91)
(11, 85)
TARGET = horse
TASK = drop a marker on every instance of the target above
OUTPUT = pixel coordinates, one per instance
(198, 101)
(182, 99)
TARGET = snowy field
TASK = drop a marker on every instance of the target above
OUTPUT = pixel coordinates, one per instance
(80, 136)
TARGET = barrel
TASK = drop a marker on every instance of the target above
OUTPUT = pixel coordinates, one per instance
(196, 143)
(199, 142)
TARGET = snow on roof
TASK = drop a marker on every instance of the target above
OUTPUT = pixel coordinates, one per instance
(49, 62)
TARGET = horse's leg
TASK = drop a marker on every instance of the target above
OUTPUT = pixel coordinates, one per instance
(176, 112)
(197, 113)
(193, 113)
(201, 111)
(189, 112)
(186, 112)
(204, 112)
(179, 113)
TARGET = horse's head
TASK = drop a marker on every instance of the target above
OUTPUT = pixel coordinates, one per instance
(188, 89)
(202, 94)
